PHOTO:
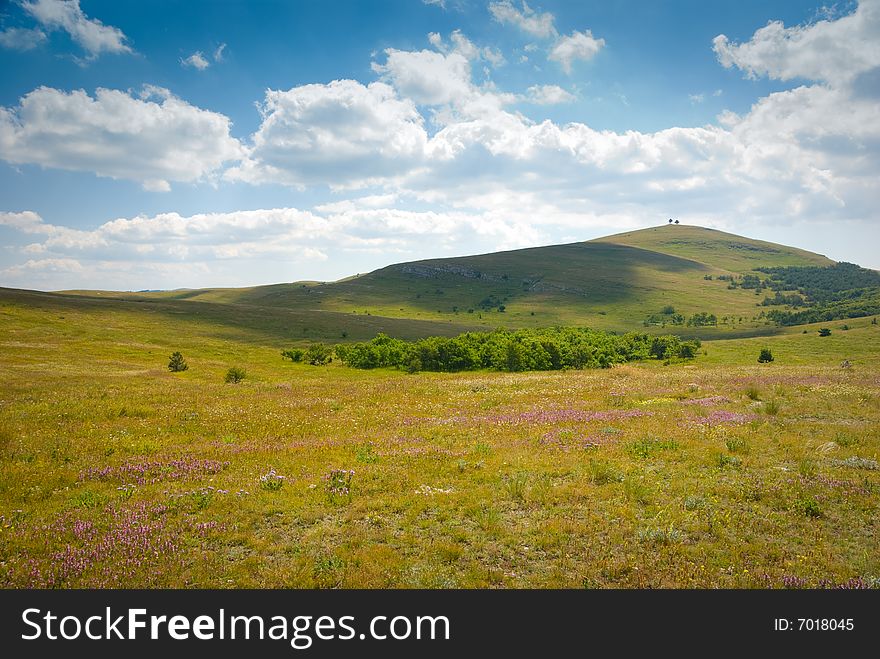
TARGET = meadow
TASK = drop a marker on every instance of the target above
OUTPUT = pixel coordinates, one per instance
(712, 472)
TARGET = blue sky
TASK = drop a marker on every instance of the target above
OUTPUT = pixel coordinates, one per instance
(182, 144)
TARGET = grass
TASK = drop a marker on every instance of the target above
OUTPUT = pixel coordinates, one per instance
(116, 472)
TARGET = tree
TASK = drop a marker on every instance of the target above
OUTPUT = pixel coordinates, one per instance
(824, 332)
(676, 221)
(177, 363)
(670, 220)
(765, 357)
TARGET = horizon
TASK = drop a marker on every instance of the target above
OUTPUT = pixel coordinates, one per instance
(242, 145)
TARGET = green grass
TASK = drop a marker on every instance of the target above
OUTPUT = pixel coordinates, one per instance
(116, 472)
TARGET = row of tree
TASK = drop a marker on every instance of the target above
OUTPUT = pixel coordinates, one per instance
(506, 350)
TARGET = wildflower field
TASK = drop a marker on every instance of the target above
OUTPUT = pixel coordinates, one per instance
(711, 472)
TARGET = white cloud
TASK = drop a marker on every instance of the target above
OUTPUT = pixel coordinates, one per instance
(219, 52)
(696, 98)
(548, 95)
(26, 221)
(528, 20)
(153, 139)
(464, 46)
(196, 60)
(91, 34)
(828, 50)
(343, 133)
(427, 77)
(17, 38)
(576, 46)
(436, 3)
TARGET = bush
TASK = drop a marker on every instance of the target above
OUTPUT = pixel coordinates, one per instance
(235, 375)
(294, 354)
(824, 332)
(177, 363)
(765, 357)
(318, 354)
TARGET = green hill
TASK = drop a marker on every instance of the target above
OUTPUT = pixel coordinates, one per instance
(634, 280)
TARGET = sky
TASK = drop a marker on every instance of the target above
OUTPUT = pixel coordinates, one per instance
(160, 144)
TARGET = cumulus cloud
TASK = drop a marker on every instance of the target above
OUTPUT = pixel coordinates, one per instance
(427, 77)
(576, 46)
(153, 139)
(196, 60)
(91, 34)
(792, 156)
(539, 25)
(832, 51)
(343, 133)
(548, 95)
(16, 38)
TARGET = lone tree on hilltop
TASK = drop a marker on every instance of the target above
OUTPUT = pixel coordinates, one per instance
(177, 363)
(765, 357)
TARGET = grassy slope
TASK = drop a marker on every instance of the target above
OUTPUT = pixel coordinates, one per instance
(612, 283)
(446, 492)
(722, 250)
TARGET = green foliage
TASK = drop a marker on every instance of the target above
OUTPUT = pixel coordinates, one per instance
(521, 350)
(235, 375)
(177, 363)
(824, 332)
(843, 290)
(319, 354)
(294, 354)
(766, 356)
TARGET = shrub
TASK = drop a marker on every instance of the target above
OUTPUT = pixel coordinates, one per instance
(824, 332)
(294, 354)
(177, 363)
(765, 357)
(319, 354)
(235, 375)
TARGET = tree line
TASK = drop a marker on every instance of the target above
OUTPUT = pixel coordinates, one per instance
(509, 350)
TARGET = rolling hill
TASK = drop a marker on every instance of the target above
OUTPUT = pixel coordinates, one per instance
(620, 282)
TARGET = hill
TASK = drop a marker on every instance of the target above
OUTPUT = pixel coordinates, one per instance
(652, 278)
